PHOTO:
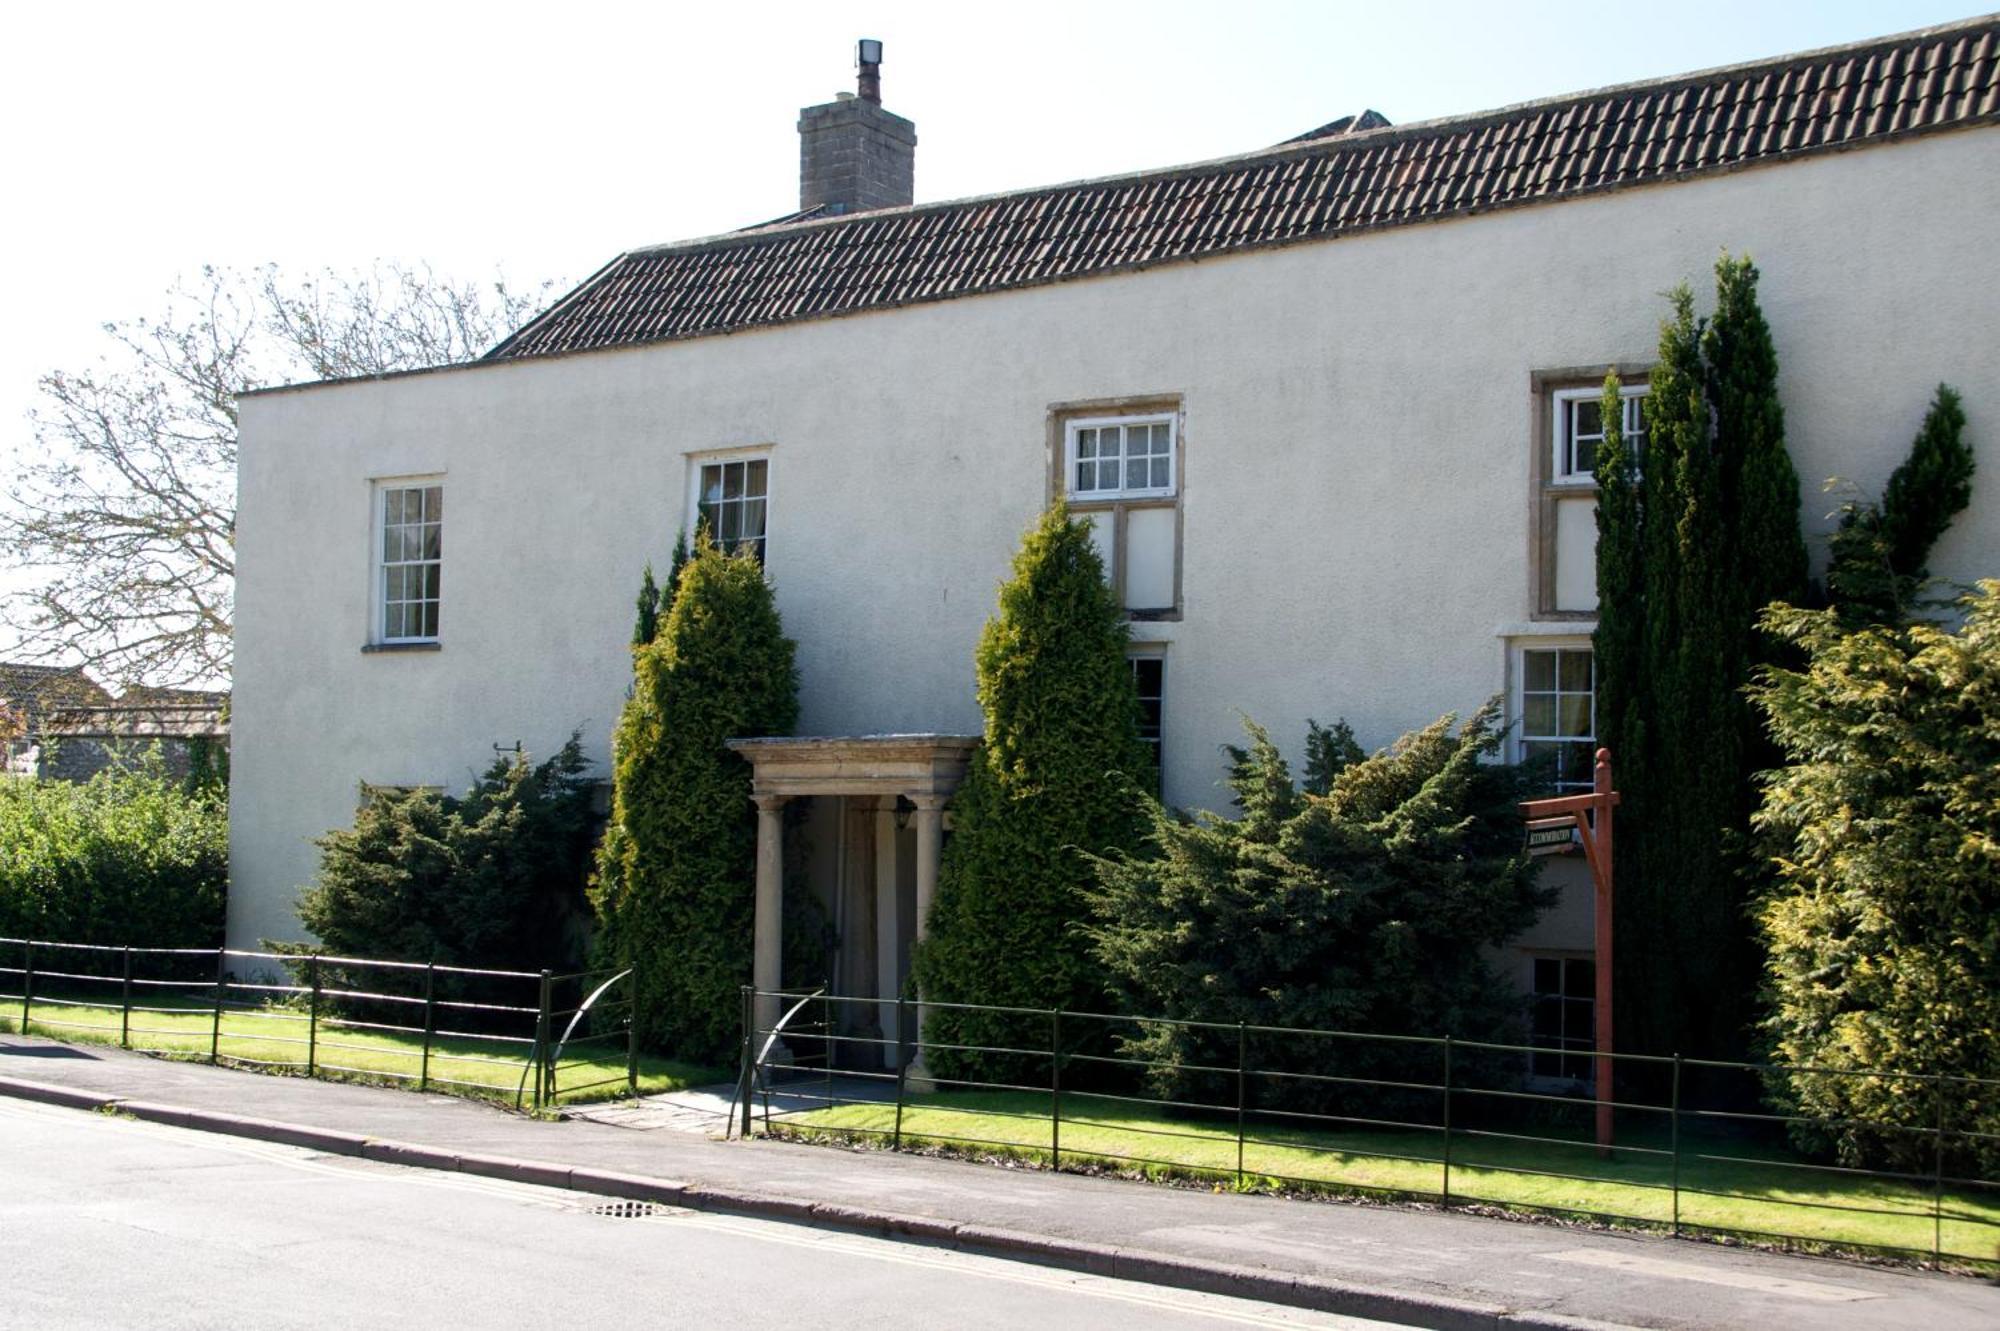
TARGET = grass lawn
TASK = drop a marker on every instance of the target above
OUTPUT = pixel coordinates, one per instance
(1755, 1190)
(275, 1040)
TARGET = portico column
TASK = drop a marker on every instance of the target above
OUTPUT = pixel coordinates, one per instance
(767, 958)
(930, 850)
(888, 928)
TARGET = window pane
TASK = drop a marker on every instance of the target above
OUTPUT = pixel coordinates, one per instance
(1585, 461)
(1086, 444)
(1588, 417)
(1580, 981)
(1575, 715)
(428, 624)
(433, 545)
(729, 525)
(732, 480)
(434, 504)
(753, 519)
(431, 576)
(1538, 715)
(711, 485)
(1160, 481)
(1548, 975)
(1107, 474)
(756, 481)
(1539, 671)
(1086, 476)
(392, 506)
(1576, 671)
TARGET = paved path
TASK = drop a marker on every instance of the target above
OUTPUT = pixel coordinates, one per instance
(1395, 1263)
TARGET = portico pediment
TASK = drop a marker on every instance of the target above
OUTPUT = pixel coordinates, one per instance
(889, 765)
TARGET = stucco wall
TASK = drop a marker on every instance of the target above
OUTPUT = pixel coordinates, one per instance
(1358, 416)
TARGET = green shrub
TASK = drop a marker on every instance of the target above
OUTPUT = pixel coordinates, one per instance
(1057, 773)
(674, 887)
(132, 857)
(1367, 909)
(1883, 928)
(492, 879)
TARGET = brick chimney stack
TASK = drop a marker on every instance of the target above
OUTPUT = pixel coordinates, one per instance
(854, 156)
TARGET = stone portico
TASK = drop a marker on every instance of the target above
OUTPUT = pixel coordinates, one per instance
(877, 833)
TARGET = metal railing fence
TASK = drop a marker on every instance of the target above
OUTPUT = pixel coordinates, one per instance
(1453, 1122)
(415, 1023)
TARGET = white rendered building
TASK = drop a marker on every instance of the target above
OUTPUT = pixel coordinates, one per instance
(1330, 401)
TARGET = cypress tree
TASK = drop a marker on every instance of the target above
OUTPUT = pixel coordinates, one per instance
(1057, 774)
(647, 626)
(1881, 551)
(674, 891)
(1693, 540)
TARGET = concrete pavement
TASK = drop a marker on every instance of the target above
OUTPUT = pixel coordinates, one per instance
(1403, 1264)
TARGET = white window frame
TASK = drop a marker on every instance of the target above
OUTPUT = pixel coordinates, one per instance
(1072, 426)
(1519, 702)
(1563, 401)
(698, 462)
(1158, 742)
(379, 564)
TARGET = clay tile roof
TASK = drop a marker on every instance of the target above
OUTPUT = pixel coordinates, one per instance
(1344, 177)
(36, 690)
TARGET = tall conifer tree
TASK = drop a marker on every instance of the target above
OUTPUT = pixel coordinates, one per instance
(1057, 774)
(1694, 539)
(673, 890)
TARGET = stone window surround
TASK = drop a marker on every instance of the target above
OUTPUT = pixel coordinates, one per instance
(1060, 417)
(1545, 489)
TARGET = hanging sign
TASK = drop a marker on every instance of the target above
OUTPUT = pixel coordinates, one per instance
(1553, 836)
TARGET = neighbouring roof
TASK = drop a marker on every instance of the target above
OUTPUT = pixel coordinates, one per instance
(1348, 181)
(140, 721)
(37, 689)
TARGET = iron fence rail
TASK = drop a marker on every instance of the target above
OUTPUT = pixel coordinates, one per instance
(292, 1025)
(1669, 1148)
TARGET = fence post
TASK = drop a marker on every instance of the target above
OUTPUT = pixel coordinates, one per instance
(221, 992)
(749, 1074)
(1447, 1122)
(1675, 1142)
(632, 1032)
(27, 983)
(544, 1074)
(1055, 1089)
(125, 1003)
(312, 1015)
(902, 1064)
(1242, 1064)
(430, 1023)
(1937, 1177)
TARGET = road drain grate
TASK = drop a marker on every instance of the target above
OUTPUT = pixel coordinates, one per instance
(626, 1210)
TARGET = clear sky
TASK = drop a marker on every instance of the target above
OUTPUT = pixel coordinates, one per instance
(144, 140)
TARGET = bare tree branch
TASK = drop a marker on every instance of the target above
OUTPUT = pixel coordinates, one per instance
(123, 507)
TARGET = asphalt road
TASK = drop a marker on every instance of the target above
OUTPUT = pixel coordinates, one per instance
(109, 1222)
